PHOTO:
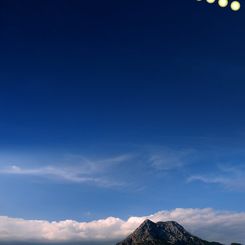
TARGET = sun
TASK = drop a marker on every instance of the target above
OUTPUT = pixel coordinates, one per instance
(223, 3)
(235, 6)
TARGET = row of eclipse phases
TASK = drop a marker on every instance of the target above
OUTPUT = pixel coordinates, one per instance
(235, 5)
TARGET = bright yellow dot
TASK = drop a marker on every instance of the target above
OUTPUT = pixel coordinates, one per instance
(210, 1)
(235, 5)
(223, 3)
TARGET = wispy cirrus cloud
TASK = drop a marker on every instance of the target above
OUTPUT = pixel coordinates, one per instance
(169, 159)
(229, 177)
(58, 173)
(84, 171)
(207, 223)
(99, 171)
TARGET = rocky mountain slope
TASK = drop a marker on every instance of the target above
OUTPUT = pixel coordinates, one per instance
(163, 233)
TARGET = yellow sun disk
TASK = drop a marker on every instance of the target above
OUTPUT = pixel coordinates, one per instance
(223, 3)
(210, 1)
(235, 6)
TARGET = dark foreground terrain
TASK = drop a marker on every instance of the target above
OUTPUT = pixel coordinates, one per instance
(58, 243)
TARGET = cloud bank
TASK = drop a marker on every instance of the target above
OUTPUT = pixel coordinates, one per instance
(209, 224)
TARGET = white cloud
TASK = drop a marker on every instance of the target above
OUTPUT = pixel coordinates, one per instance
(84, 171)
(209, 224)
(232, 178)
(227, 182)
(100, 172)
(74, 175)
(169, 159)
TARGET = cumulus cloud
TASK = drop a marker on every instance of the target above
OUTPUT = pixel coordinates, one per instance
(209, 224)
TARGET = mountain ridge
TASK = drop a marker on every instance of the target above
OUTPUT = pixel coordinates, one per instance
(163, 233)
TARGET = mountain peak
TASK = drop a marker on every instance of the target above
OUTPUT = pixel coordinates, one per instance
(147, 222)
(163, 233)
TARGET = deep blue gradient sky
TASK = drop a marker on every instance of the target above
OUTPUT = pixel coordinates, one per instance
(143, 98)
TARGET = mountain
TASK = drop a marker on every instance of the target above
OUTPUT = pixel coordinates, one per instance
(163, 233)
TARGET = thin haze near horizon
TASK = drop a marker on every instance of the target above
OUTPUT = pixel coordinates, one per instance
(118, 110)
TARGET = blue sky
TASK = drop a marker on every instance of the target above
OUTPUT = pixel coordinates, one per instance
(120, 108)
